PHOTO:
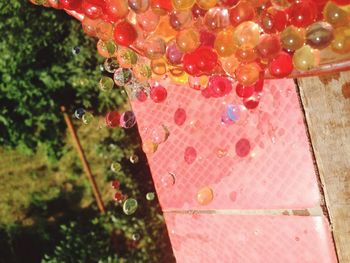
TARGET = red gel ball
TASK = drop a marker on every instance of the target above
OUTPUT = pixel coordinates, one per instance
(190, 155)
(165, 5)
(116, 184)
(269, 46)
(197, 11)
(158, 94)
(118, 196)
(207, 58)
(190, 64)
(244, 92)
(242, 147)
(70, 4)
(251, 102)
(219, 86)
(243, 11)
(112, 119)
(180, 116)
(281, 66)
(92, 10)
(124, 33)
(207, 38)
(303, 13)
(273, 20)
(259, 85)
(341, 2)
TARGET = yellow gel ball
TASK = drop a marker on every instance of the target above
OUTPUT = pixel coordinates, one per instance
(187, 40)
(248, 74)
(183, 4)
(341, 41)
(178, 76)
(246, 35)
(149, 147)
(292, 38)
(206, 4)
(223, 43)
(229, 64)
(205, 195)
(158, 66)
(336, 15)
(306, 58)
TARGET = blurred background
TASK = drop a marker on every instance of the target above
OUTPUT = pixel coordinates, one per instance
(47, 209)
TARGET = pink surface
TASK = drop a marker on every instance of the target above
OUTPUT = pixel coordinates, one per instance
(278, 173)
(250, 239)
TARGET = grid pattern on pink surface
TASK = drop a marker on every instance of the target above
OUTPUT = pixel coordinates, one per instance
(203, 238)
(277, 173)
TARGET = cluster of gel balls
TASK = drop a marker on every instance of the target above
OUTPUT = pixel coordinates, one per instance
(192, 40)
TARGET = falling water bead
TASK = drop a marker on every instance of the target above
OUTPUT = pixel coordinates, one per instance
(87, 118)
(306, 58)
(205, 196)
(111, 65)
(190, 155)
(242, 147)
(112, 119)
(122, 76)
(150, 196)
(76, 50)
(134, 159)
(127, 119)
(168, 180)
(136, 236)
(116, 167)
(130, 206)
(106, 83)
(319, 35)
(79, 113)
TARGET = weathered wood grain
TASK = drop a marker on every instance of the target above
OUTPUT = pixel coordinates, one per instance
(326, 101)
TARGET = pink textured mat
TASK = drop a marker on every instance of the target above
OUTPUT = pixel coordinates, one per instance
(250, 239)
(277, 173)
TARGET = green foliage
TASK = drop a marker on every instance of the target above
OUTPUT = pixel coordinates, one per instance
(39, 73)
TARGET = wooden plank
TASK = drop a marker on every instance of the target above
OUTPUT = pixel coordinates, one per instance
(326, 102)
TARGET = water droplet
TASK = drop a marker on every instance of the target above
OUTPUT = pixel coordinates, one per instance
(116, 167)
(79, 113)
(130, 206)
(134, 159)
(76, 50)
(150, 196)
(205, 195)
(168, 180)
(136, 236)
(87, 117)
